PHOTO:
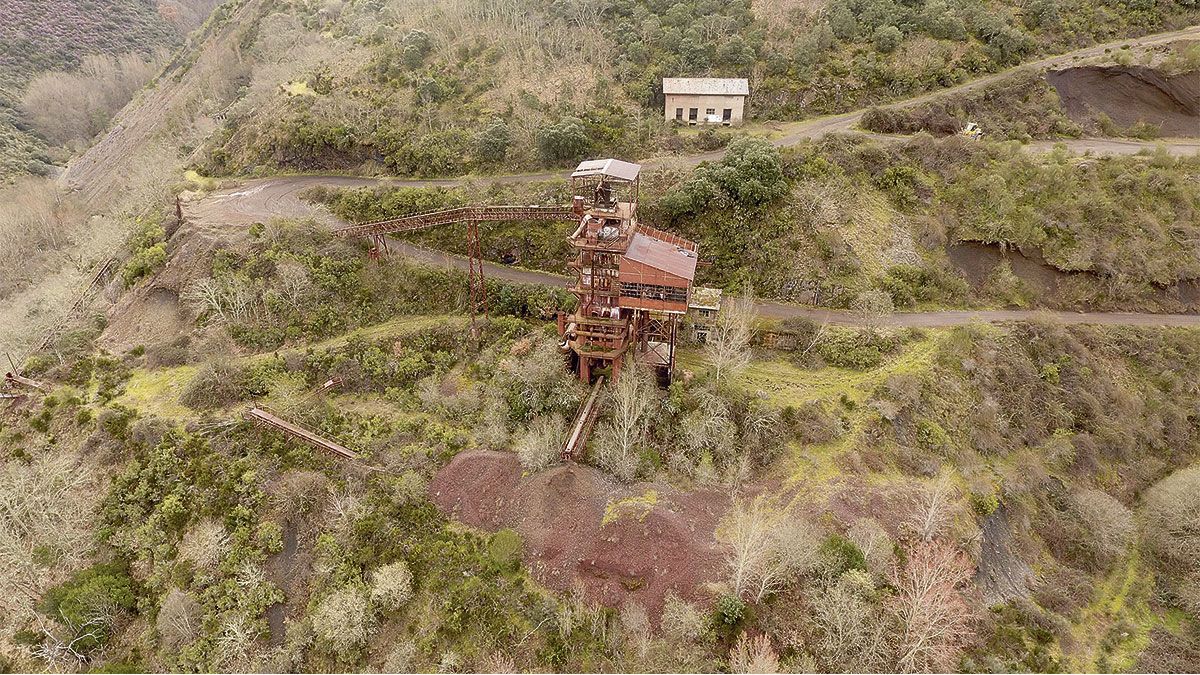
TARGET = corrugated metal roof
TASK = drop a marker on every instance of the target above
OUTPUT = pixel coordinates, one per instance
(613, 168)
(660, 255)
(717, 86)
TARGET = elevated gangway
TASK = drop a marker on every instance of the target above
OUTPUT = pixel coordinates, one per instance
(462, 214)
(268, 419)
(584, 419)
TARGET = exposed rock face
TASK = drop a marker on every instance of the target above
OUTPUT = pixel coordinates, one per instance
(1131, 94)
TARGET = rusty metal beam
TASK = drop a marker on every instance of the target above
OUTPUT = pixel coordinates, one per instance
(13, 379)
(270, 420)
(462, 214)
(583, 423)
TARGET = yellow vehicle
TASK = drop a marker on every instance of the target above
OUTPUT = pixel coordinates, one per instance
(971, 131)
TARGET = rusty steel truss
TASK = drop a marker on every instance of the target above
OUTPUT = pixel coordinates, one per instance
(379, 230)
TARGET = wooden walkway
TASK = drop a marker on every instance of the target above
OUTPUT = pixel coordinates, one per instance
(583, 423)
(269, 419)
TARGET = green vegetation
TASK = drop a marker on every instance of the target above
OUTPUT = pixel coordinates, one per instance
(797, 494)
(852, 53)
(148, 252)
(57, 36)
(448, 90)
(855, 215)
(1020, 107)
(298, 282)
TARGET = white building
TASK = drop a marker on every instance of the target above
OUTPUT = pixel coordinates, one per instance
(705, 100)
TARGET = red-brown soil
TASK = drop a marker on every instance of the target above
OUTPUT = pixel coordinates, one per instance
(639, 555)
(1131, 94)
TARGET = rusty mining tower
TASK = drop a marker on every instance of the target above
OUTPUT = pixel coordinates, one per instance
(633, 282)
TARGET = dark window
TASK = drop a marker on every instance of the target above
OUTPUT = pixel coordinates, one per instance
(679, 113)
(727, 115)
(654, 292)
(710, 111)
(692, 113)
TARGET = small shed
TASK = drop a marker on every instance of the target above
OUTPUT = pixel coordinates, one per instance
(705, 100)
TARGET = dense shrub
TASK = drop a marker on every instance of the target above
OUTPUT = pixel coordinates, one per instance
(564, 141)
(215, 385)
(91, 602)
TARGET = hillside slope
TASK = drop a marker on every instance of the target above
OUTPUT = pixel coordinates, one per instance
(444, 88)
(57, 35)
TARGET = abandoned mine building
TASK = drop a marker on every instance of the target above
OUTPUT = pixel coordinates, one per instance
(633, 281)
(705, 100)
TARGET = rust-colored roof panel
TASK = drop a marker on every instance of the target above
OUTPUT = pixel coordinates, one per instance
(667, 257)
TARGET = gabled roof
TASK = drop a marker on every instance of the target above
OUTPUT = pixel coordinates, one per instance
(670, 258)
(613, 168)
(718, 86)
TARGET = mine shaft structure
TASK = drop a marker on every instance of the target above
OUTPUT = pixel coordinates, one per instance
(633, 282)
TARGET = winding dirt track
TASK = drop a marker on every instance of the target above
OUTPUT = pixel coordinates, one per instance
(261, 199)
(280, 197)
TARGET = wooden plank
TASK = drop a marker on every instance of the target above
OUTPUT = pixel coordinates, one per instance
(579, 432)
(264, 417)
(14, 379)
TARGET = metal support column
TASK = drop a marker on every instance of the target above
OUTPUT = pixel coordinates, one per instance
(477, 287)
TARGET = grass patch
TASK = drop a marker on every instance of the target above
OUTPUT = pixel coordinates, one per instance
(199, 182)
(641, 506)
(157, 391)
(1116, 626)
(786, 384)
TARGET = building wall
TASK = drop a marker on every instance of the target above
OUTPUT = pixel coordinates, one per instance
(701, 103)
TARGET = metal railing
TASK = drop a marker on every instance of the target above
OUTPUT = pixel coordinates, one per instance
(462, 214)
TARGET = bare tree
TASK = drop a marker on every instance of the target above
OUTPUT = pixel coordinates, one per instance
(391, 585)
(1107, 523)
(234, 642)
(707, 428)
(635, 628)
(342, 620)
(1171, 515)
(619, 439)
(60, 646)
(207, 294)
(497, 662)
(870, 537)
(204, 545)
(178, 620)
(935, 619)
(76, 106)
(852, 635)
(768, 548)
(682, 622)
(728, 346)
(45, 503)
(294, 283)
(541, 444)
(753, 655)
(932, 509)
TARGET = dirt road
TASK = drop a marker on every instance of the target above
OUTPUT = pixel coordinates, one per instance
(795, 132)
(779, 310)
(261, 199)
